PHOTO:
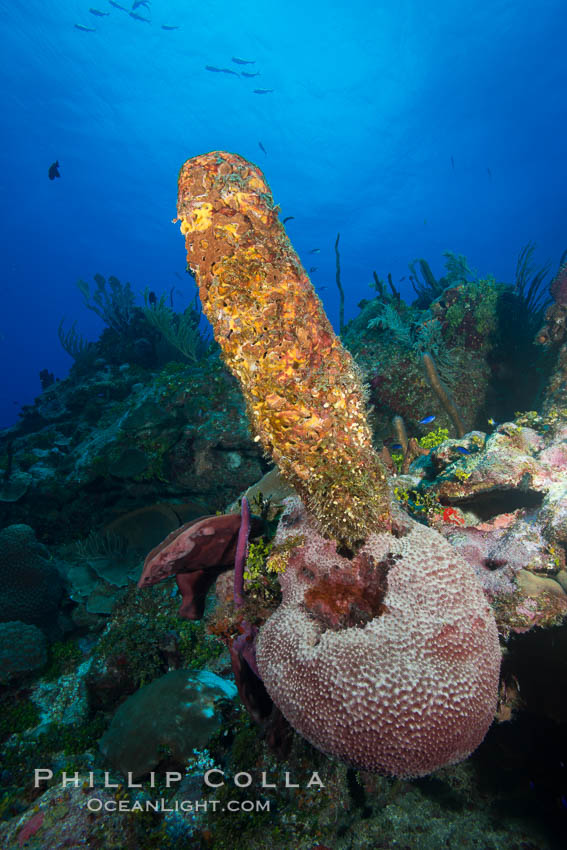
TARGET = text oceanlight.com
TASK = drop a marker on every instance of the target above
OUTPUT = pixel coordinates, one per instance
(95, 804)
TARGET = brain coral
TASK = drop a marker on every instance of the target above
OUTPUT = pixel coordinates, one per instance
(389, 661)
(30, 587)
(173, 714)
(23, 648)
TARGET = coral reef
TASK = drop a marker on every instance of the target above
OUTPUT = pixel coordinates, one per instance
(479, 334)
(134, 452)
(307, 407)
(510, 489)
(122, 438)
(303, 392)
(552, 335)
(63, 812)
(389, 340)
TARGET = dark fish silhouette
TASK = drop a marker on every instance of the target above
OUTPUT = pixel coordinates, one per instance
(315, 251)
(396, 447)
(139, 17)
(262, 148)
(84, 29)
(248, 74)
(221, 70)
(313, 269)
(152, 299)
(137, 3)
(53, 171)
(263, 91)
(165, 27)
(240, 61)
(321, 288)
(117, 5)
(288, 218)
(98, 13)
(489, 172)
(452, 163)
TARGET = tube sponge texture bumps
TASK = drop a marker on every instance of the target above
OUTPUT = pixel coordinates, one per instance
(390, 661)
(303, 391)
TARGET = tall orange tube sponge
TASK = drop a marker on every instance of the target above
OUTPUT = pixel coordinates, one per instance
(303, 390)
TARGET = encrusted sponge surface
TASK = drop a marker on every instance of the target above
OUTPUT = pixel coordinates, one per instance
(409, 691)
(303, 391)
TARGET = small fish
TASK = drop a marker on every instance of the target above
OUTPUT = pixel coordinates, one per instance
(240, 61)
(315, 251)
(492, 422)
(262, 148)
(98, 13)
(165, 27)
(427, 419)
(321, 288)
(84, 29)
(313, 269)
(212, 68)
(452, 163)
(53, 171)
(137, 3)
(263, 91)
(229, 71)
(397, 447)
(462, 450)
(489, 172)
(287, 218)
(402, 278)
(248, 74)
(152, 299)
(117, 5)
(139, 17)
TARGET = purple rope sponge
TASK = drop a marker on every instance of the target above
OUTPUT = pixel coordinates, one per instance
(241, 552)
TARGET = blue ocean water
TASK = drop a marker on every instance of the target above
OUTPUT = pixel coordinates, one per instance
(409, 127)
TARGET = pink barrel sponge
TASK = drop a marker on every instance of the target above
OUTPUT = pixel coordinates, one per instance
(389, 661)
